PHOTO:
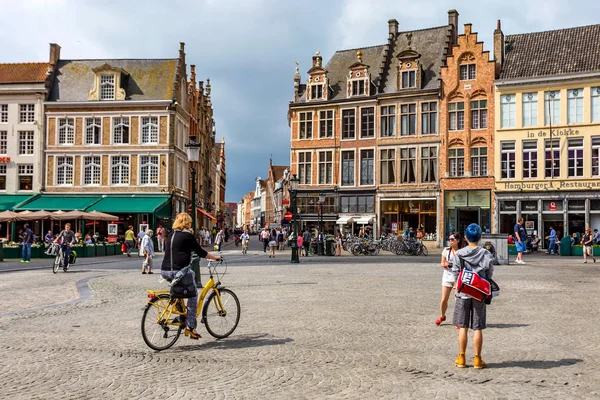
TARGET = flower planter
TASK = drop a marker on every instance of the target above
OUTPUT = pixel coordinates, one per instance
(596, 250)
(577, 251)
(36, 252)
(79, 250)
(110, 249)
(12, 252)
(89, 250)
(118, 249)
(100, 250)
(512, 250)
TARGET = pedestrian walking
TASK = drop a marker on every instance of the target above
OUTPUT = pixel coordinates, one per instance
(264, 237)
(448, 280)
(160, 238)
(219, 240)
(147, 248)
(551, 240)
(306, 241)
(129, 240)
(245, 238)
(586, 241)
(468, 312)
(338, 244)
(520, 240)
(280, 240)
(27, 235)
(272, 243)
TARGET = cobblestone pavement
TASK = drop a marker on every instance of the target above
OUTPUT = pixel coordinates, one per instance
(309, 331)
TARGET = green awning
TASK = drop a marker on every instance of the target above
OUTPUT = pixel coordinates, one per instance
(51, 202)
(10, 201)
(134, 204)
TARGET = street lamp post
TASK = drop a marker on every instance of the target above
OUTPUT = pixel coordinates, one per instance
(193, 152)
(293, 188)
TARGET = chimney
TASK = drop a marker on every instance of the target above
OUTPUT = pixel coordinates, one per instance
(317, 60)
(297, 78)
(393, 24)
(453, 20)
(498, 48)
(54, 54)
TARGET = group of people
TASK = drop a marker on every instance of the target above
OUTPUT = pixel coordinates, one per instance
(523, 242)
(143, 241)
(273, 239)
(469, 313)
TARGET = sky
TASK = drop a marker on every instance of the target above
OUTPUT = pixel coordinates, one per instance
(248, 48)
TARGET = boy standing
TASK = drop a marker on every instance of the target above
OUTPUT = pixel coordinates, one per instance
(468, 312)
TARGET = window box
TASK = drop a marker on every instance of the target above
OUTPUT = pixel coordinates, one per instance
(89, 250)
(100, 250)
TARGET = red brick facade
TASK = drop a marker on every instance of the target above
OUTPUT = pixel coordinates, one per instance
(471, 136)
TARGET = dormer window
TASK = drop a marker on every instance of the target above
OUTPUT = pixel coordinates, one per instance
(409, 79)
(358, 87)
(316, 92)
(107, 87)
(467, 72)
(108, 82)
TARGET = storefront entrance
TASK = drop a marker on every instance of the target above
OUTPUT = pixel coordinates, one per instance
(465, 217)
(466, 207)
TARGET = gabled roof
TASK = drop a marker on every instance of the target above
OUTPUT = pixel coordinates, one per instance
(144, 79)
(558, 52)
(23, 73)
(278, 171)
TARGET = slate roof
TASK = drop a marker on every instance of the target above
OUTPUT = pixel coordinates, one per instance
(431, 43)
(146, 80)
(558, 52)
(23, 73)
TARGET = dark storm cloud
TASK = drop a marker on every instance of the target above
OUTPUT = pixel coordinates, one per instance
(248, 48)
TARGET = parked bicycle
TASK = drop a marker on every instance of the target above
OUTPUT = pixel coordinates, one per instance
(164, 317)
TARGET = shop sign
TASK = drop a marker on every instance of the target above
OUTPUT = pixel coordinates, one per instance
(479, 198)
(575, 205)
(413, 207)
(553, 205)
(529, 206)
(394, 227)
(550, 185)
(508, 206)
(555, 133)
(456, 199)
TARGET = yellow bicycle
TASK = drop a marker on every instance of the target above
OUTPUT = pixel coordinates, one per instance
(164, 317)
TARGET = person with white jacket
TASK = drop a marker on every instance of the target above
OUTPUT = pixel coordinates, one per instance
(147, 248)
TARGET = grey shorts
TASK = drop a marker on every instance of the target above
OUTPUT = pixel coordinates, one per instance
(469, 313)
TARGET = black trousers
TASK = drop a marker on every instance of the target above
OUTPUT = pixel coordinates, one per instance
(265, 244)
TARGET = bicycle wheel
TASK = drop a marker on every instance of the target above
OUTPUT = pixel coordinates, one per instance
(221, 322)
(159, 334)
(56, 265)
(356, 250)
(424, 251)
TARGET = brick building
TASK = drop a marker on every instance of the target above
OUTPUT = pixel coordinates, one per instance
(23, 89)
(346, 145)
(115, 135)
(275, 194)
(547, 141)
(467, 136)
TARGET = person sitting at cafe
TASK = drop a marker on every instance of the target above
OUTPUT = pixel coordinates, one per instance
(88, 239)
(49, 238)
(511, 239)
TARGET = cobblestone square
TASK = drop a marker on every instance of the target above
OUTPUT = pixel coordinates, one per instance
(347, 327)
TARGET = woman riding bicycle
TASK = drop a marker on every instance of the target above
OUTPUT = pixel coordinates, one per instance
(66, 239)
(182, 242)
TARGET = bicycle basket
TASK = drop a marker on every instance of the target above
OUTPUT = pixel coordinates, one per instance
(53, 249)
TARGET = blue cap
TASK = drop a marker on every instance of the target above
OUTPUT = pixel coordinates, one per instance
(473, 233)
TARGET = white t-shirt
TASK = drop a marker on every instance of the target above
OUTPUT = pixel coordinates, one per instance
(448, 253)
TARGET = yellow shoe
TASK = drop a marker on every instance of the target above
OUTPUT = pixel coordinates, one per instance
(478, 363)
(460, 362)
